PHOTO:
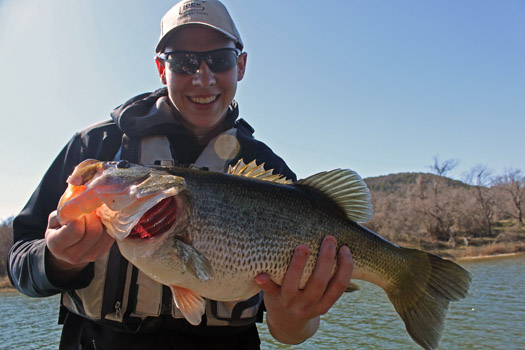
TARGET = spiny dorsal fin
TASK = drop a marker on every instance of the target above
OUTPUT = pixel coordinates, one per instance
(347, 189)
(257, 172)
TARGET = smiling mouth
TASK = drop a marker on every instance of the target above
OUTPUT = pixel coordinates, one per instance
(203, 100)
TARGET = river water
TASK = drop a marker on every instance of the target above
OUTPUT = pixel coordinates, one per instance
(491, 317)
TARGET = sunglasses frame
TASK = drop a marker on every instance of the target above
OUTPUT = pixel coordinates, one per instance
(199, 56)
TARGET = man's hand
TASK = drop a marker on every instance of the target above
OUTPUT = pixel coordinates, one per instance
(73, 246)
(293, 315)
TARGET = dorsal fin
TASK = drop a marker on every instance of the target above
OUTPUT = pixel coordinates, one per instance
(347, 189)
(257, 172)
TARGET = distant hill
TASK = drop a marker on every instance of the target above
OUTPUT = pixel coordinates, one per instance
(434, 212)
(392, 183)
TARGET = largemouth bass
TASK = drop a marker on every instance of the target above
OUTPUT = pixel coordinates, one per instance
(207, 234)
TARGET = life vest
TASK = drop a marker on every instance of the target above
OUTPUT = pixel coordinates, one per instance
(121, 293)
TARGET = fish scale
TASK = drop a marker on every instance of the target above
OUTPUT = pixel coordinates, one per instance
(276, 219)
(231, 227)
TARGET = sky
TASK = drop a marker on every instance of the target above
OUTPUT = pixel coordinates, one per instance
(379, 87)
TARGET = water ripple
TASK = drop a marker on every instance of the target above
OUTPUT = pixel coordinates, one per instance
(29, 323)
(491, 317)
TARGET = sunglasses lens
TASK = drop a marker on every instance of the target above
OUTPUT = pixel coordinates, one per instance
(221, 61)
(189, 62)
(183, 63)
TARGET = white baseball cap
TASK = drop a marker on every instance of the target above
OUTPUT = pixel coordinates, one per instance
(210, 13)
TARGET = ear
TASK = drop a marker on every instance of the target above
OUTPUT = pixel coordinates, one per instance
(161, 68)
(241, 65)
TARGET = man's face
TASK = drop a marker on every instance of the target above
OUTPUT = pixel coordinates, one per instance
(203, 98)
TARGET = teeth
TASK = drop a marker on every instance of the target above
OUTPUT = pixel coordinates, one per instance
(203, 100)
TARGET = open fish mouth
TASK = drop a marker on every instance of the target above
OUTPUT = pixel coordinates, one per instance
(157, 220)
(130, 200)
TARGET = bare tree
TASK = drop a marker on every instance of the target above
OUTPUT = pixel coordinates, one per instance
(513, 184)
(434, 203)
(443, 168)
(480, 178)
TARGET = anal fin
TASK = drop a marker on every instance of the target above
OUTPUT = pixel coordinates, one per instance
(190, 304)
(352, 287)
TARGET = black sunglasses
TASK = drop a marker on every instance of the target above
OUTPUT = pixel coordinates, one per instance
(188, 62)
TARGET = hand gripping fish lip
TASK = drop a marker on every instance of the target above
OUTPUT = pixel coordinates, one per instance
(123, 195)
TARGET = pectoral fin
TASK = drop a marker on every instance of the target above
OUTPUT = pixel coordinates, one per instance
(189, 303)
(194, 261)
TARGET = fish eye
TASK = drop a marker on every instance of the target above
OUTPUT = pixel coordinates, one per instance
(123, 164)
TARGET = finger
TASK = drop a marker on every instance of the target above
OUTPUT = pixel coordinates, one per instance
(92, 244)
(52, 220)
(318, 281)
(93, 224)
(98, 236)
(293, 275)
(267, 285)
(105, 240)
(61, 238)
(99, 248)
(339, 283)
(108, 241)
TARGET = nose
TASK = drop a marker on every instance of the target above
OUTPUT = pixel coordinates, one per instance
(204, 76)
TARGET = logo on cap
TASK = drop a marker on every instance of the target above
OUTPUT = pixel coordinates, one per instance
(192, 6)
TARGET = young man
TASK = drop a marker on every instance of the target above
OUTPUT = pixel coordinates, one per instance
(106, 302)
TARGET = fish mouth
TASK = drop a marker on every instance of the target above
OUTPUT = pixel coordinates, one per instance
(157, 220)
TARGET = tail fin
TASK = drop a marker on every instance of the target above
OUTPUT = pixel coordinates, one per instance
(421, 298)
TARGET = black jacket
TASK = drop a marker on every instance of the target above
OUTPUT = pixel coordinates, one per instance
(136, 118)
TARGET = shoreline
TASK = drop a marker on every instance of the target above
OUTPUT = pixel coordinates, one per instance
(489, 257)
(6, 287)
